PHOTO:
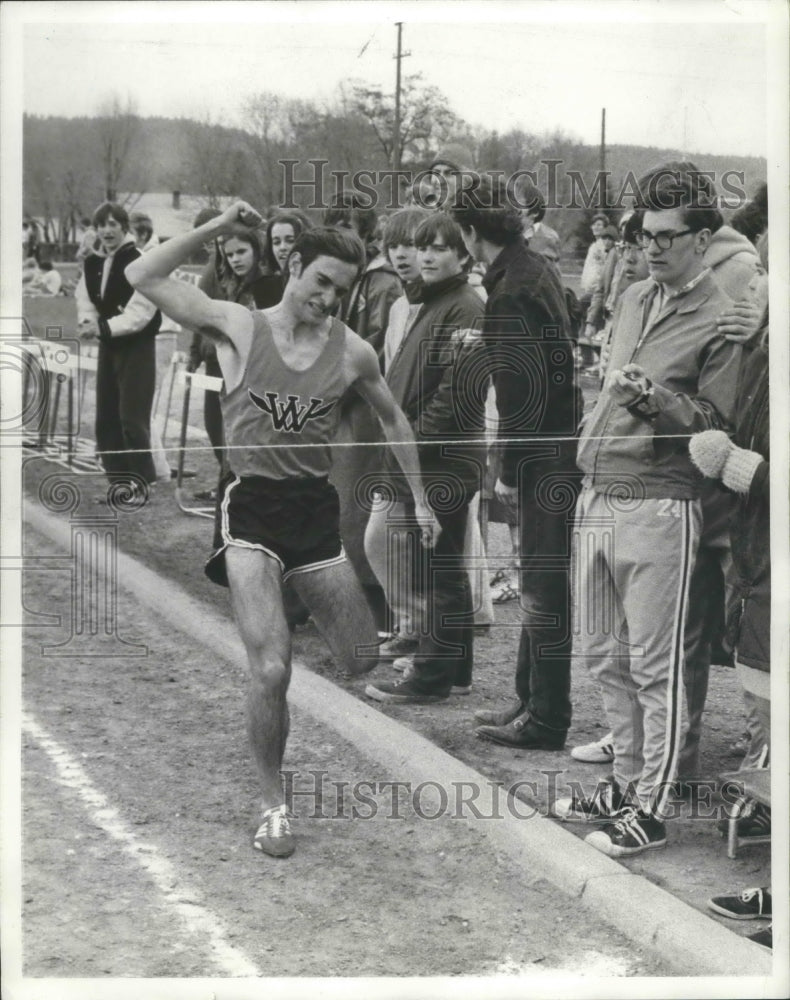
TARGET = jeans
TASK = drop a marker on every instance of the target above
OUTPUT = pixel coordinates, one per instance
(445, 653)
(125, 380)
(543, 666)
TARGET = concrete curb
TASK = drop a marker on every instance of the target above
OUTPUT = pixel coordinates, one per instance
(690, 942)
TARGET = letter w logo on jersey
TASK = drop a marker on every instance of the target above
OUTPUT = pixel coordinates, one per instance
(291, 415)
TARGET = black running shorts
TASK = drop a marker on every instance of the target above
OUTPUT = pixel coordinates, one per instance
(295, 521)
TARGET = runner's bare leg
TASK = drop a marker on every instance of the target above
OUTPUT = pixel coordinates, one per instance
(340, 611)
(256, 595)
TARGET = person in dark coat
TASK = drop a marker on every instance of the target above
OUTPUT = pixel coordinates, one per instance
(526, 335)
(742, 465)
(125, 324)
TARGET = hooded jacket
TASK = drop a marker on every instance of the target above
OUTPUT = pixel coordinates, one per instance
(733, 260)
(595, 314)
(369, 302)
(544, 240)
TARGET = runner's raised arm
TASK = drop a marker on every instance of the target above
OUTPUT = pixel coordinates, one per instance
(186, 304)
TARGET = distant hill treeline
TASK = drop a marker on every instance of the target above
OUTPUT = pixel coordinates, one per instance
(72, 164)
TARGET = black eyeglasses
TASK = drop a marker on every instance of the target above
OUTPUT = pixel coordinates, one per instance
(663, 241)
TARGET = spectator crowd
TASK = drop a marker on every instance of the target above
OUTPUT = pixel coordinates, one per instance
(639, 522)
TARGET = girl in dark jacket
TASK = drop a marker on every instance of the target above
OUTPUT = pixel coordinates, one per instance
(242, 274)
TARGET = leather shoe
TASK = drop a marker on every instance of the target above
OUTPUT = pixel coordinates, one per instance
(523, 733)
(489, 718)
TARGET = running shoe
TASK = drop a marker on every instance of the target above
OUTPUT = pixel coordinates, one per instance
(751, 904)
(274, 835)
(605, 803)
(632, 832)
(764, 937)
(753, 823)
(600, 752)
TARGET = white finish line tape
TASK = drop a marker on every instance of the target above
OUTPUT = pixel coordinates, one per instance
(184, 901)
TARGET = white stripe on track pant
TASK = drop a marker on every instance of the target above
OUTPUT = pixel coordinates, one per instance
(632, 563)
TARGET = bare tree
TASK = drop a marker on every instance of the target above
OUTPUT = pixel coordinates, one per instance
(118, 124)
(216, 161)
(266, 116)
(509, 151)
(62, 179)
(426, 120)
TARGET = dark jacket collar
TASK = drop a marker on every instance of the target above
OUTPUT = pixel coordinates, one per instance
(427, 293)
(413, 290)
(500, 264)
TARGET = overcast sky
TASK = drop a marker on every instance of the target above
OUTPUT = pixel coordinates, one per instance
(698, 84)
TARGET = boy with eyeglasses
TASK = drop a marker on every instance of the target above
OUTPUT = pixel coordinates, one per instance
(638, 519)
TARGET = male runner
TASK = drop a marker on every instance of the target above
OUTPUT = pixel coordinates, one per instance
(285, 371)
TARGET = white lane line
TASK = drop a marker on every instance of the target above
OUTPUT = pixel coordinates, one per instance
(185, 901)
(679, 934)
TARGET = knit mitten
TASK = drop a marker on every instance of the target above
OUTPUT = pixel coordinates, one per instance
(709, 451)
(718, 458)
(739, 469)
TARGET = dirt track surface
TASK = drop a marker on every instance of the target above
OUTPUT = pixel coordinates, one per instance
(160, 737)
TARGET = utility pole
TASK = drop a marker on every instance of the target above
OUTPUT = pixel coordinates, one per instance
(602, 159)
(396, 130)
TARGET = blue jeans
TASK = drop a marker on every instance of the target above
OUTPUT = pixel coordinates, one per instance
(543, 666)
(125, 380)
(446, 647)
